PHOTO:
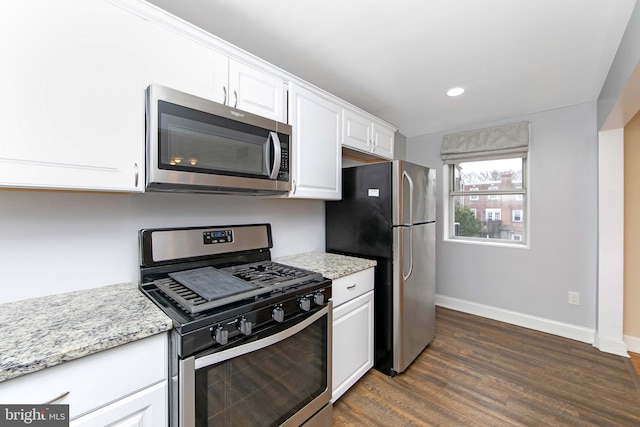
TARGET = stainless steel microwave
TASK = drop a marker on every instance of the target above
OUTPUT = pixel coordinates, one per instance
(197, 145)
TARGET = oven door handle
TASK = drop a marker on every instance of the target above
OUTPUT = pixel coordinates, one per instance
(212, 359)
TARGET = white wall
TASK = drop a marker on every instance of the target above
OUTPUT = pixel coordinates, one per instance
(53, 242)
(623, 66)
(534, 283)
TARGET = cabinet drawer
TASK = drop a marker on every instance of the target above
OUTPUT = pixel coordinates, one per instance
(351, 286)
(93, 381)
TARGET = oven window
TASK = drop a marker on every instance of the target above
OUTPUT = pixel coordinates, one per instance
(267, 386)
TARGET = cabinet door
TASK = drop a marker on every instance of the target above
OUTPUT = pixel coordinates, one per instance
(383, 141)
(72, 102)
(176, 60)
(317, 157)
(356, 131)
(256, 92)
(147, 408)
(352, 342)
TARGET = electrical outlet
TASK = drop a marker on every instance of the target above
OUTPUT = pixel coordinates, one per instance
(574, 298)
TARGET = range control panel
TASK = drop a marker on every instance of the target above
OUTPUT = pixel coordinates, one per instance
(217, 236)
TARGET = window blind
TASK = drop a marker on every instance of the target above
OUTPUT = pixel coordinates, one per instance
(498, 142)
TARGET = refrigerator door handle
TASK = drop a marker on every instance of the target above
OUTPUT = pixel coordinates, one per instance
(406, 176)
(406, 275)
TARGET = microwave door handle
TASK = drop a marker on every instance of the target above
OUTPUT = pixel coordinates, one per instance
(277, 158)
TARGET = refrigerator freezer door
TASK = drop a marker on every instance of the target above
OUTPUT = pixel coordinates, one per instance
(414, 194)
(413, 293)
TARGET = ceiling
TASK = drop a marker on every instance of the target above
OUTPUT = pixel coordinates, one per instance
(396, 59)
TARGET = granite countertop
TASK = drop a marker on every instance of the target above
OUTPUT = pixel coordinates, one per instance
(331, 266)
(42, 332)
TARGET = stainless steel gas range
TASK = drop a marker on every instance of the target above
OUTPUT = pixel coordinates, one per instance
(251, 343)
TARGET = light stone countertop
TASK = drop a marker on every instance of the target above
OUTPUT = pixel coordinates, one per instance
(331, 266)
(42, 332)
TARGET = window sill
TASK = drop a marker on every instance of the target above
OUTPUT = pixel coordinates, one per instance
(481, 242)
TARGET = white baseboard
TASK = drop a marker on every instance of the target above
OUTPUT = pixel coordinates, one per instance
(633, 343)
(553, 327)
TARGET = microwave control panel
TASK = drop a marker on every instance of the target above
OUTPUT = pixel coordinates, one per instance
(283, 173)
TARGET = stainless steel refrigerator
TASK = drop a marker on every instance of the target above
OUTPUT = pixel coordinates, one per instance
(387, 213)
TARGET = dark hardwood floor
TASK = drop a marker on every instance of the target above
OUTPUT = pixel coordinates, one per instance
(480, 372)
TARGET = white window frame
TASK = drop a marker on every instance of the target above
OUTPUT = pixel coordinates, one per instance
(490, 214)
(475, 197)
(521, 193)
(492, 196)
(513, 215)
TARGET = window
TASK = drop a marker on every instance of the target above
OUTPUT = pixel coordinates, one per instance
(487, 184)
(516, 215)
(483, 218)
(475, 197)
(493, 214)
(493, 196)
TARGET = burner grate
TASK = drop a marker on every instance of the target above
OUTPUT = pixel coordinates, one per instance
(193, 302)
(266, 277)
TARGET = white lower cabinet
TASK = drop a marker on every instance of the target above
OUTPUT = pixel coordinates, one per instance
(122, 386)
(146, 408)
(352, 330)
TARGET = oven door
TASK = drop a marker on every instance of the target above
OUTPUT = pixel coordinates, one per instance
(282, 378)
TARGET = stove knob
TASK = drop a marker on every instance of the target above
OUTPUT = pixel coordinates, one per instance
(244, 326)
(318, 298)
(305, 304)
(221, 335)
(278, 314)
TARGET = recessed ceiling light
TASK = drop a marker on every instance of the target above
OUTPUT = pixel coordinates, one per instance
(455, 91)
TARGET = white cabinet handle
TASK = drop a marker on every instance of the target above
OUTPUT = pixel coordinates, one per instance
(137, 175)
(352, 286)
(235, 95)
(224, 90)
(55, 399)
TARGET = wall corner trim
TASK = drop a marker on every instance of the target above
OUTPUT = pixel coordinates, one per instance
(611, 345)
(566, 330)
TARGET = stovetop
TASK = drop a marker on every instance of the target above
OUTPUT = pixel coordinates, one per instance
(205, 288)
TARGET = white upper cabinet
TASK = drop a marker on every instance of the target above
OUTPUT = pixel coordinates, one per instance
(73, 97)
(316, 156)
(181, 61)
(365, 134)
(383, 140)
(72, 104)
(255, 91)
(176, 60)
